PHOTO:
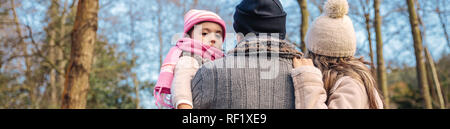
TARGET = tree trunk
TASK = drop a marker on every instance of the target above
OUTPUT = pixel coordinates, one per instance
(304, 25)
(435, 79)
(21, 40)
(59, 52)
(442, 21)
(53, 12)
(83, 41)
(369, 34)
(132, 45)
(24, 48)
(418, 48)
(381, 70)
(369, 38)
(53, 96)
(136, 88)
(319, 4)
(161, 45)
(434, 97)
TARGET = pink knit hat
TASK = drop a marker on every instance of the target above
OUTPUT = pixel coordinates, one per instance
(194, 17)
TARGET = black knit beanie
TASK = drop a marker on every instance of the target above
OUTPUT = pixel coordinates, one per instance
(260, 16)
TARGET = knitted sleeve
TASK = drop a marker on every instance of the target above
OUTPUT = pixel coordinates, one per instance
(181, 87)
(310, 93)
(308, 88)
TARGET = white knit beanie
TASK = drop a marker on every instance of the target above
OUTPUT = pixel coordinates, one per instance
(332, 33)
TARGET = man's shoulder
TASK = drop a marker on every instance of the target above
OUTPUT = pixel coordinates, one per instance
(236, 61)
(209, 66)
(214, 67)
(218, 63)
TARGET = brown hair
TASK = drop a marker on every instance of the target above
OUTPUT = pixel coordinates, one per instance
(333, 68)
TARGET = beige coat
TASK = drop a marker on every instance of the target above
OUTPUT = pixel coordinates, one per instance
(310, 93)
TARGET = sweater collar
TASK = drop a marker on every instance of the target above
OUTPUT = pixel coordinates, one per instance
(270, 46)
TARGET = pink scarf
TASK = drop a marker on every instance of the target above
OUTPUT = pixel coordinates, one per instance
(165, 78)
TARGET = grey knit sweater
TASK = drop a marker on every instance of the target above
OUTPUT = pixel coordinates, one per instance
(246, 78)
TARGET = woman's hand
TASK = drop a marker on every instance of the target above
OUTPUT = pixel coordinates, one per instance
(297, 62)
(184, 106)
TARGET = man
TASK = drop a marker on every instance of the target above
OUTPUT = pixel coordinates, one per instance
(255, 74)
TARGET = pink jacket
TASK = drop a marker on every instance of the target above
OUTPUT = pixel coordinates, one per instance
(310, 93)
(166, 76)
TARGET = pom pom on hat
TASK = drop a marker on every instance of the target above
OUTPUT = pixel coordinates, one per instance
(336, 8)
(332, 34)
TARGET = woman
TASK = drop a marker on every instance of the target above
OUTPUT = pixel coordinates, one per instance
(332, 78)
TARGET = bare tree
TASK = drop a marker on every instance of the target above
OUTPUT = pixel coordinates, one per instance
(434, 76)
(83, 41)
(318, 4)
(24, 48)
(160, 38)
(418, 48)
(442, 20)
(381, 70)
(21, 38)
(132, 45)
(304, 26)
(366, 11)
(62, 42)
(53, 12)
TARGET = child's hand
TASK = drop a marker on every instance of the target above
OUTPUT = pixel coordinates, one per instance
(184, 106)
(297, 62)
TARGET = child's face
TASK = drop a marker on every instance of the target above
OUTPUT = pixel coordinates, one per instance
(209, 33)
